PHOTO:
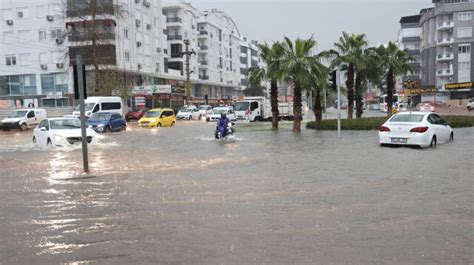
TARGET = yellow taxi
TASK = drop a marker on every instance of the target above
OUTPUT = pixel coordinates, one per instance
(158, 118)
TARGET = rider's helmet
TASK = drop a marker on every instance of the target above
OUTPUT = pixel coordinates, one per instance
(223, 115)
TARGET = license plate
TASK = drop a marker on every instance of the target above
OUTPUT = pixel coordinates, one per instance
(399, 140)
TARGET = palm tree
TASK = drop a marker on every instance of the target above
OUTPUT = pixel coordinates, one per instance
(395, 62)
(319, 80)
(298, 65)
(348, 54)
(368, 69)
(272, 57)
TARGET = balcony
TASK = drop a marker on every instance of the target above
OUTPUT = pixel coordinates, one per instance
(444, 57)
(445, 25)
(203, 63)
(446, 41)
(174, 20)
(204, 77)
(82, 36)
(175, 37)
(203, 34)
(204, 47)
(444, 73)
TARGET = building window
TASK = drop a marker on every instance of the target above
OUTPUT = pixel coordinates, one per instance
(42, 34)
(25, 59)
(56, 33)
(21, 12)
(464, 48)
(125, 33)
(10, 60)
(464, 32)
(456, 1)
(19, 85)
(465, 16)
(51, 83)
(464, 66)
(127, 56)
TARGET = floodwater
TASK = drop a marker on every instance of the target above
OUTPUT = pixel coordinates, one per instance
(176, 196)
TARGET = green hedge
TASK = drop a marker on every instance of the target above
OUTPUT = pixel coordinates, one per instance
(364, 124)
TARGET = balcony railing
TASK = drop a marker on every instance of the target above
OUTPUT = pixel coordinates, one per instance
(448, 40)
(445, 72)
(203, 33)
(175, 37)
(446, 56)
(204, 77)
(203, 47)
(174, 20)
(445, 25)
(203, 62)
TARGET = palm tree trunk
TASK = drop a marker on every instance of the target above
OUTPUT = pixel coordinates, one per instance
(318, 109)
(274, 103)
(390, 86)
(358, 95)
(350, 91)
(297, 108)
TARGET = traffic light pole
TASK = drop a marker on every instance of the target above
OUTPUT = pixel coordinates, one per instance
(338, 106)
(80, 80)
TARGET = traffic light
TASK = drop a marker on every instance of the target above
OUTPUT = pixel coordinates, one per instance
(333, 79)
(76, 82)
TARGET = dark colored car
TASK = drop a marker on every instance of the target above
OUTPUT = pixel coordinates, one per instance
(135, 114)
(107, 122)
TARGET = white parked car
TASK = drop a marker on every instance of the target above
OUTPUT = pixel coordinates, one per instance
(23, 119)
(424, 129)
(205, 110)
(189, 114)
(216, 113)
(60, 132)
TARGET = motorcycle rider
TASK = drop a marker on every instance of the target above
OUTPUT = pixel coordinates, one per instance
(222, 124)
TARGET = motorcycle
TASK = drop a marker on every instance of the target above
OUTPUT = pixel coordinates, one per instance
(229, 132)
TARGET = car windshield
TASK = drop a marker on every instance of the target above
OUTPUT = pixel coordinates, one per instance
(18, 114)
(241, 106)
(65, 124)
(407, 118)
(152, 114)
(88, 106)
(100, 117)
(186, 110)
(219, 111)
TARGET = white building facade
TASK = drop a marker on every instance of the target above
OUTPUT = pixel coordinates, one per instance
(33, 60)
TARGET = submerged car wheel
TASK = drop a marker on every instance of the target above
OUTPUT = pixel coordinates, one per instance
(49, 143)
(173, 123)
(34, 140)
(23, 127)
(433, 142)
(158, 125)
(451, 137)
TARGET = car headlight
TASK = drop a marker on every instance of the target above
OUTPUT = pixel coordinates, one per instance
(90, 127)
(100, 125)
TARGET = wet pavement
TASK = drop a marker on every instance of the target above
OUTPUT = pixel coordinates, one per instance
(175, 196)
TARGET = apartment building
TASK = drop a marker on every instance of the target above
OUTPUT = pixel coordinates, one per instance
(215, 38)
(409, 39)
(131, 41)
(447, 42)
(33, 54)
(249, 58)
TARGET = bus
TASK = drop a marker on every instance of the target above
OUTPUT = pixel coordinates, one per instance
(383, 102)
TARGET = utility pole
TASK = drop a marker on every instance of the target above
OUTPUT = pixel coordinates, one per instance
(188, 54)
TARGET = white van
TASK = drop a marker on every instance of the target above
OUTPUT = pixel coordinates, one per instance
(23, 119)
(96, 104)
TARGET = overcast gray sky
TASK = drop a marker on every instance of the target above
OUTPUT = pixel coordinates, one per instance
(266, 20)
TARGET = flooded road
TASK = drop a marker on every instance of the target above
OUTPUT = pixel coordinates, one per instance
(175, 196)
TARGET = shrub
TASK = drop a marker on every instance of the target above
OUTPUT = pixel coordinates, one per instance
(375, 123)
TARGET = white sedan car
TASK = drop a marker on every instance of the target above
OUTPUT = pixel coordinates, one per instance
(216, 113)
(189, 114)
(424, 129)
(60, 132)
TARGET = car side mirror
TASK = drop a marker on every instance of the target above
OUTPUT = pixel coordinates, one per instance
(43, 129)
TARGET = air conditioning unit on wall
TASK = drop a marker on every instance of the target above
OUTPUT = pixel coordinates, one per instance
(49, 18)
(44, 66)
(59, 65)
(9, 22)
